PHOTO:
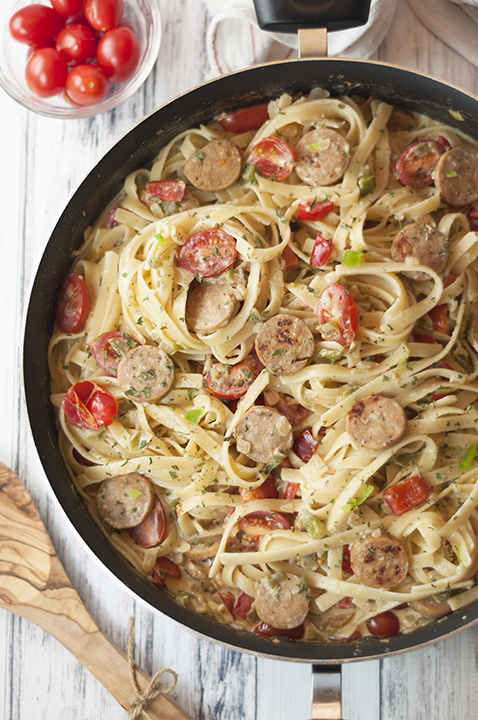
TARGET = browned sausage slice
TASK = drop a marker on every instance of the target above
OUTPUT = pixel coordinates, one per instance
(264, 434)
(334, 618)
(322, 156)
(284, 344)
(431, 608)
(146, 373)
(456, 177)
(401, 120)
(153, 529)
(379, 562)
(425, 244)
(216, 166)
(125, 500)
(376, 422)
(281, 601)
(473, 331)
(210, 307)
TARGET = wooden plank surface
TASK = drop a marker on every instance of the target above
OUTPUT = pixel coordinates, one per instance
(42, 162)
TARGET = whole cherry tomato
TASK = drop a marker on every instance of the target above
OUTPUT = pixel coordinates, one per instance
(77, 43)
(118, 54)
(86, 85)
(273, 157)
(336, 311)
(245, 120)
(208, 253)
(103, 14)
(89, 405)
(35, 24)
(74, 304)
(67, 7)
(46, 73)
(384, 624)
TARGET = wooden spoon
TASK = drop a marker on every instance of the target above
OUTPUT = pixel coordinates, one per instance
(34, 585)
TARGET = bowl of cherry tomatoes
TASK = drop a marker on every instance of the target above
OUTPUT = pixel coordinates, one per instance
(77, 58)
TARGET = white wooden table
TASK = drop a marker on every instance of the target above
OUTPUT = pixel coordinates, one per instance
(42, 161)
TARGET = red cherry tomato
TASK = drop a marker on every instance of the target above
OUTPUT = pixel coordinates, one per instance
(291, 409)
(165, 566)
(89, 405)
(290, 258)
(67, 7)
(208, 253)
(76, 43)
(407, 494)
(291, 490)
(254, 525)
(118, 54)
(321, 252)
(230, 382)
(336, 308)
(440, 319)
(415, 164)
(166, 190)
(314, 210)
(46, 73)
(111, 347)
(305, 445)
(74, 304)
(273, 157)
(383, 625)
(266, 490)
(86, 85)
(268, 631)
(244, 605)
(153, 529)
(103, 14)
(35, 24)
(228, 600)
(472, 217)
(245, 120)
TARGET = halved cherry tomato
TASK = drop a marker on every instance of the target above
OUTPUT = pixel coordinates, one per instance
(35, 24)
(336, 309)
(422, 338)
(67, 7)
(384, 624)
(111, 221)
(228, 600)
(103, 14)
(290, 258)
(266, 490)
(256, 524)
(244, 605)
(346, 566)
(111, 347)
(245, 120)
(208, 253)
(450, 278)
(153, 529)
(273, 157)
(76, 43)
(87, 85)
(46, 72)
(74, 304)
(305, 445)
(416, 163)
(291, 490)
(230, 382)
(268, 631)
(440, 319)
(165, 566)
(313, 210)
(89, 405)
(321, 252)
(166, 190)
(118, 54)
(407, 494)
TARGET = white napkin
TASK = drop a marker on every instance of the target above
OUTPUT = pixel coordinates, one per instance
(234, 40)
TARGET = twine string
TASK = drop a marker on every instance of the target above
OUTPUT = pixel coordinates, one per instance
(141, 700)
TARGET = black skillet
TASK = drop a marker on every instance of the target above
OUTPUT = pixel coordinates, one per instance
(136, 149)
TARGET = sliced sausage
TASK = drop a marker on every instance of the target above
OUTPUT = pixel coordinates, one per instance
(281, 601)
(125, 500)
(284, 344)
(153, 529)
(425, 244)
(322, 156)
(431, 608)
(216, 166)
(210, 307)
(379, 562)
(264, 434)
(376, 422)
(456, 177)
(473, 331)
(146, 373)
(401, 120)
(334, 618)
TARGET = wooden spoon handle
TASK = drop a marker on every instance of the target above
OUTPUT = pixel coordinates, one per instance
(34, 585)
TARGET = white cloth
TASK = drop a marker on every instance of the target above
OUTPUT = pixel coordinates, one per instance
(234, 40)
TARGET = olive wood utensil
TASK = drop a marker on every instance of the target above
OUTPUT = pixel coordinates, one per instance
(34, 585)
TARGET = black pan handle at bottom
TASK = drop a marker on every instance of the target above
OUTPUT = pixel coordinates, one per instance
(289, 15)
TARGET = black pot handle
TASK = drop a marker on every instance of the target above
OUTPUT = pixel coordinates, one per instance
(291, 15)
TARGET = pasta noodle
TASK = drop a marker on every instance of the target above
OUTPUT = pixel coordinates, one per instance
(336, 258)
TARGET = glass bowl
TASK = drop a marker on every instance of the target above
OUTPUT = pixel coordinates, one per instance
(145, 19)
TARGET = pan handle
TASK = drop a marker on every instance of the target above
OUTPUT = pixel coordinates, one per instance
(291, 15)
(326, 692)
